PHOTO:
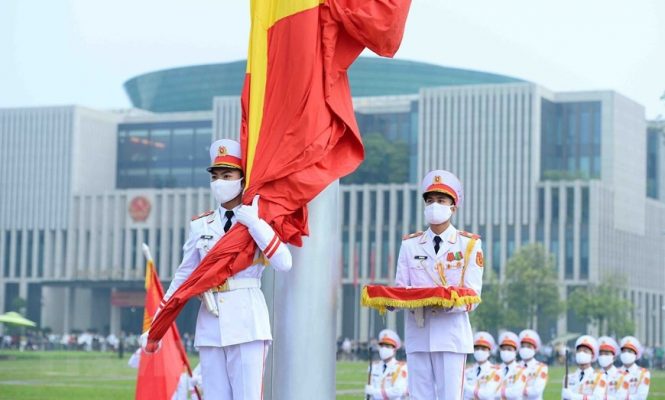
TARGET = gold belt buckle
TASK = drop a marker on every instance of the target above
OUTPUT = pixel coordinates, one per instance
(223, 288)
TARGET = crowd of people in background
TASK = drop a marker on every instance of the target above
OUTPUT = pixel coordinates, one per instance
(88, 340)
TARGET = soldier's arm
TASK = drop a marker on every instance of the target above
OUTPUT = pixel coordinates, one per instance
(515, 390)
(473, 277)
(643, 387)
(402, 273)
(600, 391)
(490, 390)
(469, 383)
(399, 389)
(535, 391)
(265, 237)
(272, 247)
(190, 260)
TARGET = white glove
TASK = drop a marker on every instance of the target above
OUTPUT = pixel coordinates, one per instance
(371, 390)
(566, 394)
(249, 215)
(149, 347)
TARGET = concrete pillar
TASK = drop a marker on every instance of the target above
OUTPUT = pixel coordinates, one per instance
(304, 306)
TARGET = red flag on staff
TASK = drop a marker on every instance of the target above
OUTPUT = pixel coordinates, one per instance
(159, 373)
(299, 131)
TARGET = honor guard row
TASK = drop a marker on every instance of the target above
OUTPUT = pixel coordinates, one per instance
(628, 381)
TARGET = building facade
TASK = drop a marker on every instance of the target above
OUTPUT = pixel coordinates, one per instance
(577, 172)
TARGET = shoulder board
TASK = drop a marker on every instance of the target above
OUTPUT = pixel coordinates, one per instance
(412, 235)
(469, 235)
(205, 214)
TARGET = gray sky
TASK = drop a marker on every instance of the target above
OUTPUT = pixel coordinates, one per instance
(56, 52)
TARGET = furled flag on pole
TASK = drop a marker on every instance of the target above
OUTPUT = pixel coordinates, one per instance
(298, 132)
(159, 372)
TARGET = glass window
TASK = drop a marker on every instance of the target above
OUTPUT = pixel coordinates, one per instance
(496, 249)
(160, 145)
(19, 253)
(569, 252)
(7, 246)
(183, 142)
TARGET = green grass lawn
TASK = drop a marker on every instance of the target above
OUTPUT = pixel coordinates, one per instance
(78, 375)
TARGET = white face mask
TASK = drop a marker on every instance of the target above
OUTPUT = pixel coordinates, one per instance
(225, 191)
(386, 352)
(628, 358)
(507, 356)
(527, 353)
(481, 355)
(582, 358)
(605, 360)
(436, 213)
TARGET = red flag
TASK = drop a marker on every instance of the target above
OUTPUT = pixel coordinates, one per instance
(159, 373)
(299, 132)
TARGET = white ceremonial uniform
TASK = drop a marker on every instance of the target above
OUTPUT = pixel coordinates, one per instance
(582, 384)
(536, 379)
(607, 386)
(513, 381)
(234, 345)
(436, 351)
(633, 383)
(481, 381)
(391, 379)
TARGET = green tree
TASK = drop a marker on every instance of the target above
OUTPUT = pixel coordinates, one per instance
(493, 314)
(385, 162)
(531, 287)
(603, 305)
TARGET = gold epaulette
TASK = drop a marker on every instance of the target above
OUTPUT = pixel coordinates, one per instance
(412, 235)
(205, 214)
(469, 235)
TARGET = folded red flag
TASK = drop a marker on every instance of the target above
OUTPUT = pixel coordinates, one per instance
(382, 297)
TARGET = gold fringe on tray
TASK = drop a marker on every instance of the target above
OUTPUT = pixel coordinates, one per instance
(381, 303)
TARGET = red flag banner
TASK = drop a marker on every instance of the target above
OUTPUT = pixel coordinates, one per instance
(298, 132)
(159, 372)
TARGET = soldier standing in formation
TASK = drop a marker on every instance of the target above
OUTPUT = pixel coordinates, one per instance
(635, 379)
(389, 377)
(536, 372)
(607, 352)
(437, 339)
(232, 328)
(482, 379)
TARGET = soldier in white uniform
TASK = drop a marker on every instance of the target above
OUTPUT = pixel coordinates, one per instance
(607, 352)
(636, 380)
(536, 372)
(233, 344)
(437, 340)
(482, 379)
(583, 382)
(511, 373)
(389, 377)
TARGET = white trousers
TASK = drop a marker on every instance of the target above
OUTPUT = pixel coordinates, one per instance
(436, 375)
(233, 372)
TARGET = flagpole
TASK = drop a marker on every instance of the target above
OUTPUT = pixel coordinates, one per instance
(304, 307)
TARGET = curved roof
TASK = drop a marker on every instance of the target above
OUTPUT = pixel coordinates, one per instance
(192, 88)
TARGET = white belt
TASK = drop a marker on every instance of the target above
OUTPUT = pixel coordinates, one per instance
(238, 283)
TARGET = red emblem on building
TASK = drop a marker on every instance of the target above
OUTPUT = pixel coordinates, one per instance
(139, 208)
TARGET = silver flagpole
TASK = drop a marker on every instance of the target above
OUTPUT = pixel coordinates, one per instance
(303, 305)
